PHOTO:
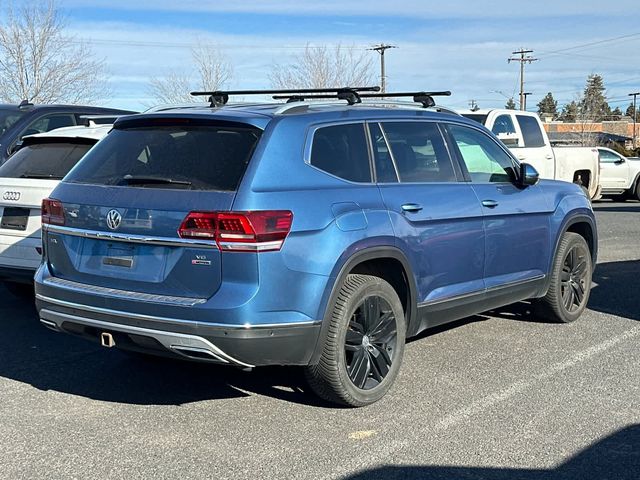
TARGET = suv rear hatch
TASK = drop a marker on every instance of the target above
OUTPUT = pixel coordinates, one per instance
(115, 220)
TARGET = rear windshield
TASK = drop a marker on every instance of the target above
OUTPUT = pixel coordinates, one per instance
(476, 116)
(181, 157)
(48, 161)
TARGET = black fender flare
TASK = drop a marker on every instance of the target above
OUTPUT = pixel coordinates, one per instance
(572, 220)
(333, 289)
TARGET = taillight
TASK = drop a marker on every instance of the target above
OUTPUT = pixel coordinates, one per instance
(52, 212)
(257, 231)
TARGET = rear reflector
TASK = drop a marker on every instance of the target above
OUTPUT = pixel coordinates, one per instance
(256, 231)
(52, 212)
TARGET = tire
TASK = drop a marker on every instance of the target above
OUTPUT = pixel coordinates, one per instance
(20, 290)
(570, 283)
(362, 353)
(635, 193)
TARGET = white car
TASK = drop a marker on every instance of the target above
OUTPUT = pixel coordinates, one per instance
(619, 175)
(28, 177)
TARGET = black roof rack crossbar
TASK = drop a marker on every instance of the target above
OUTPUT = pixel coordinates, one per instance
(425, 98)
(221, 97)
(352, 97)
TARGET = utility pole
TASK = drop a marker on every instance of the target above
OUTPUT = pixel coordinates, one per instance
(635, 117)
(525, 95)
(523, 58)
(383, 77)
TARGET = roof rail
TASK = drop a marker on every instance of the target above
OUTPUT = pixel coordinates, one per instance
(219, 98)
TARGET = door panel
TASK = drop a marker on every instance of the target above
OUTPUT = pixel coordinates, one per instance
(614, 170)
(437, 220)
(516, 220)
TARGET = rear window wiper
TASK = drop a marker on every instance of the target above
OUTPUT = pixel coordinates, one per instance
(140, 180)
(48, 176)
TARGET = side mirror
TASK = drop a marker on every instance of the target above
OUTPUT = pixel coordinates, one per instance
(528, 175)
(509, 139)
(620, 161)
(15, 147)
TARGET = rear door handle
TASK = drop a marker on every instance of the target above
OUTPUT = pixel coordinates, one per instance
(489, 203)
(411, 207)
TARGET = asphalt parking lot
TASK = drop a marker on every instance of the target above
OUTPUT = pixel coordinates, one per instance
(497, 396)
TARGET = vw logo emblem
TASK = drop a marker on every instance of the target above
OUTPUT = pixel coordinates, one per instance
(113, 219)
(12, 196)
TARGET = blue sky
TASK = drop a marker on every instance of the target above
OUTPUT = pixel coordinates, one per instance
(460, 45)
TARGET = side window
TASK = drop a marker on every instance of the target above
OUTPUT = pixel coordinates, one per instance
(341, 150)
(503, 124)
(419, 152)
(483, 157)
(47, 123)
(385, 169)
(608, 157)
(531, 131)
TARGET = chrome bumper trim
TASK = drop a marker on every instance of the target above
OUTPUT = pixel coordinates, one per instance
(123, 294)
(175, 342)
(153, 318)
(131, 238)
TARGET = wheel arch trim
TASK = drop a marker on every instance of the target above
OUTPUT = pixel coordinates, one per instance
(333, 288)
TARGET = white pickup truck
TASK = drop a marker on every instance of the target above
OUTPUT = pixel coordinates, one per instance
(523, 134)
(620, 176)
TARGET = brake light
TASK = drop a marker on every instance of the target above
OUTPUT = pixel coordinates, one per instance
(52, 212)
(256, 231)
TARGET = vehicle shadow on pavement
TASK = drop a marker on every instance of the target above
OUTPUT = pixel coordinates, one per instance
(631, 207)
(616, 289)
(616, 456)
(30, 353)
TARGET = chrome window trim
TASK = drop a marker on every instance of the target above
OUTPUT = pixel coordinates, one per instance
(153, 318)
(131, 238)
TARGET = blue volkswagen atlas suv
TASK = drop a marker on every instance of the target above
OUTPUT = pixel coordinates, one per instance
(321, 234)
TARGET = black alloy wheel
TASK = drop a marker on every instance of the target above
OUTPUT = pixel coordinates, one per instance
(370, 342)
(573, 280)
(364, 343)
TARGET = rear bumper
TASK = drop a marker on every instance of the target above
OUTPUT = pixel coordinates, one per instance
(287, 344)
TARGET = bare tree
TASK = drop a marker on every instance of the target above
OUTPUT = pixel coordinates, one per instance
(213, 71)
(40, 63)
(323, 67)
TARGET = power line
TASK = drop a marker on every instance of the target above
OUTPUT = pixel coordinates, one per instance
(590, 44)
(523, 58)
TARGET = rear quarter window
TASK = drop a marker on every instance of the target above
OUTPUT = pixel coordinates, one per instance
(199, 157)
(48, 160)
(341, 150)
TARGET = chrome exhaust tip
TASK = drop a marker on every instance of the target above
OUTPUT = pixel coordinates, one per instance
(50, 325)
(106, 340)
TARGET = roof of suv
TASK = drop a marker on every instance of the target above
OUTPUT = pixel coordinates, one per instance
(259, 114)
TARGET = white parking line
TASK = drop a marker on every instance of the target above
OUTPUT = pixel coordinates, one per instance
(519, 386)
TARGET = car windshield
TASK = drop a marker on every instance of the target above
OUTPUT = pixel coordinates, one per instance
(47, 160)
(8, 118)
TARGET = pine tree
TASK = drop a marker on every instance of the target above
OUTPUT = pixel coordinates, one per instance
(511, 105)
(548, 106)
(593, 106)
(617, 113)
(629, 112)
(569, 112)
